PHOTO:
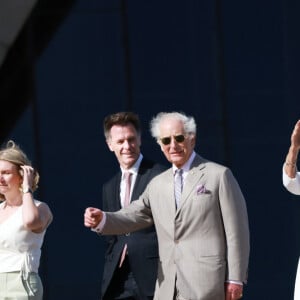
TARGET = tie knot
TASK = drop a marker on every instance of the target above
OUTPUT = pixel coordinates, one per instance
(178, 172)
(127, 175)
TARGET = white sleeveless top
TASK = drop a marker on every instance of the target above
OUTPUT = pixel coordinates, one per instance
(20, 249)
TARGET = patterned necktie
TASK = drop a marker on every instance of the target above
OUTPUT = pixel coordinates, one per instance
(127, 176)
(178, 186)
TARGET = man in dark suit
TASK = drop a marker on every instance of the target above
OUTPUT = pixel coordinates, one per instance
(132, 276)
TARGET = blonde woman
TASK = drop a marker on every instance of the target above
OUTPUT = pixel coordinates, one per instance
(23, 223)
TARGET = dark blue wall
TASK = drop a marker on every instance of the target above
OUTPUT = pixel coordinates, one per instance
(233, 66)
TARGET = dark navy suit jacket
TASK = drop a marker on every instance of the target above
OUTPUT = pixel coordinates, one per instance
(142, 245)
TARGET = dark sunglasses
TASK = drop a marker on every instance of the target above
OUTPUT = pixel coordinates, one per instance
(178, 138)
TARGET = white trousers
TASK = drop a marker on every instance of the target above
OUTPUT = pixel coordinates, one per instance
(14, 287)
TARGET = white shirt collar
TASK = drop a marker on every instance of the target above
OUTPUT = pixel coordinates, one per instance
(134, 169)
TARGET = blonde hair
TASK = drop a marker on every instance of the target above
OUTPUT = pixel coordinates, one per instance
(14, 154)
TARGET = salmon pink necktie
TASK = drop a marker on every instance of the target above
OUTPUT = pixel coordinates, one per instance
(127, 176)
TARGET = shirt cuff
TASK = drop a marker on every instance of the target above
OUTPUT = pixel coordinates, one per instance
(235, 282)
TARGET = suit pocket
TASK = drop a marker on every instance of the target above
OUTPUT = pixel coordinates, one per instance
(202, 197)
(202, 203)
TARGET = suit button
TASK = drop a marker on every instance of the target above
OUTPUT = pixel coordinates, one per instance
(176, 241)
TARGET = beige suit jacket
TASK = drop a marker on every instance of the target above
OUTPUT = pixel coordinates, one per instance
(203, 243)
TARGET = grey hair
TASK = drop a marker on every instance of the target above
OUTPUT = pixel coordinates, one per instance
(189, 123)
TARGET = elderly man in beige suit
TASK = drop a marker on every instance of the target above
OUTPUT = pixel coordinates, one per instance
(203, 237)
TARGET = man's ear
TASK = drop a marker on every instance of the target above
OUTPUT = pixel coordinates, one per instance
(161, 146)
(194, 141)
(109, 145)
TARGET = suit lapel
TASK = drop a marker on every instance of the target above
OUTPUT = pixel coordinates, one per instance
(166, 205)
(169, 190)
(116, 203)
(141, 180)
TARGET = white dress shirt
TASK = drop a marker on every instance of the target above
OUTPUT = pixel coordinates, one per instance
(291, 184)
(134, 171)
